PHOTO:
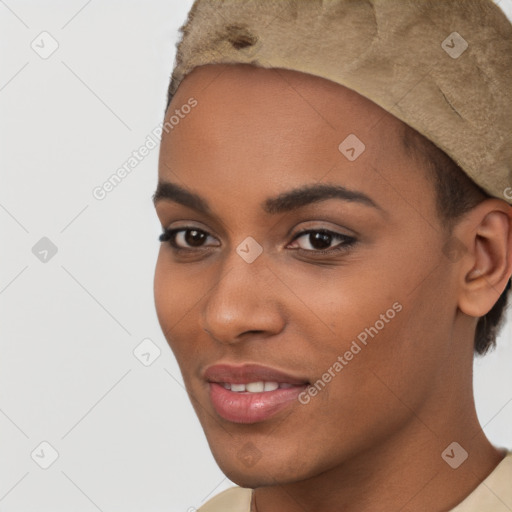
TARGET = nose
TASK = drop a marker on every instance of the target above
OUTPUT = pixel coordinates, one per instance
(242, 302)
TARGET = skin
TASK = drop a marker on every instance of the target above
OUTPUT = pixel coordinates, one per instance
(372, 439)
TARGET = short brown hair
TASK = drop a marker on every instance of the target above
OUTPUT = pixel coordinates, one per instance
(456, 194)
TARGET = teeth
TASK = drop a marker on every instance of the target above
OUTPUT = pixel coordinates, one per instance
(256, 387)
(270, 386)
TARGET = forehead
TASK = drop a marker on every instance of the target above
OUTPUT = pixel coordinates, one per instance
(266, 96)
(281, 128)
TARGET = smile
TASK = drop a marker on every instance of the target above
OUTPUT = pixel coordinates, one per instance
(257, 387)
(251, 393)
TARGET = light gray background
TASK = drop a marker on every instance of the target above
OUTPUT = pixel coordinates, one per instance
(127, 437)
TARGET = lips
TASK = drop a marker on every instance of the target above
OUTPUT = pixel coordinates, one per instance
(251, 393)
(224, 373)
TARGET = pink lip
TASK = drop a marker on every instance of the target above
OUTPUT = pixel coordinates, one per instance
(249, 373)
(245, 407)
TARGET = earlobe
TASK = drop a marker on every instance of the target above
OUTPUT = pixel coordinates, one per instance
(487, 267)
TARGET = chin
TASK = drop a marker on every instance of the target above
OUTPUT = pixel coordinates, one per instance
(253, 477)
(245, 469)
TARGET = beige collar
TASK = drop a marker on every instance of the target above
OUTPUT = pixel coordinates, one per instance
(494, 494)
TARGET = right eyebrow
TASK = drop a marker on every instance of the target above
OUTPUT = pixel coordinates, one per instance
(178, 194)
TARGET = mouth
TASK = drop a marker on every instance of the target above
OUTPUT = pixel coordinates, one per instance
(251, 393)
(258, 386)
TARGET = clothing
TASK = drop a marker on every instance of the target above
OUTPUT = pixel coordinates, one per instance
(441, 66)
(494, 494)
(235, 499)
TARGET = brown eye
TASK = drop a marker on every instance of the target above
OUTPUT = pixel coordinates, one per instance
(321, 240)
(185, 238)
(194, 237)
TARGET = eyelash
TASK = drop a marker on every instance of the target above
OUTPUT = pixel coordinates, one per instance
(345, 242)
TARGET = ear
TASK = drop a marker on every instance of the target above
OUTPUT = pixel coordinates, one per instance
(486, 266)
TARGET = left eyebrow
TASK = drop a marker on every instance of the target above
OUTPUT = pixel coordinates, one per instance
(308, 194)
(284, 202)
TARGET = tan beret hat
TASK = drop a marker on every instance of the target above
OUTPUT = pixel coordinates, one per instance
(444, 67)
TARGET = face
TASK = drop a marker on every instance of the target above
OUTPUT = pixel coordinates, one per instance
(303, 250)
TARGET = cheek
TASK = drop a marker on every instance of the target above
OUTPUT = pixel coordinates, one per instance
(173, 299)
(383, 333)
(179, 296)
(402, 349)
(332, 308)
(164, 299)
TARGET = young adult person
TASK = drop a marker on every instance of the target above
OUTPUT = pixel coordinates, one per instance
(334, 192)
